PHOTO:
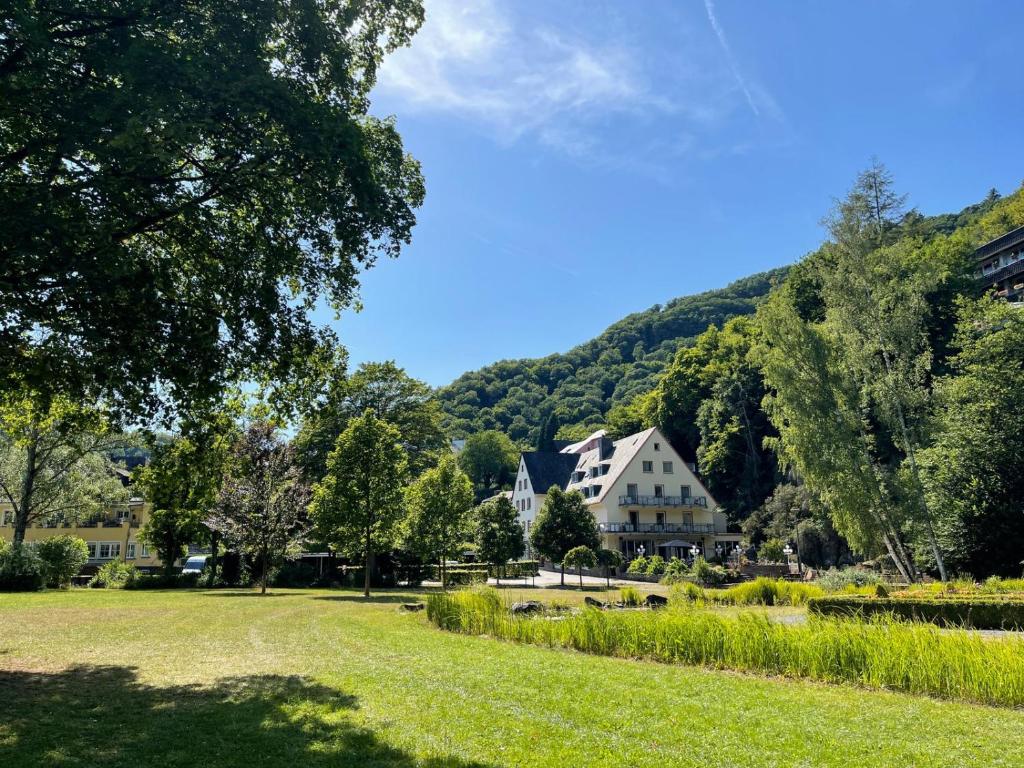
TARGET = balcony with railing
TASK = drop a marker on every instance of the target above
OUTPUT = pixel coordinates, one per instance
(656, 527)
(663, 501)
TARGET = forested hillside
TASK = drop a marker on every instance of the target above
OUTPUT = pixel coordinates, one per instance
(583, 383)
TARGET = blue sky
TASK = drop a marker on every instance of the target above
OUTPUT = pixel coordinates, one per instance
(585, 160)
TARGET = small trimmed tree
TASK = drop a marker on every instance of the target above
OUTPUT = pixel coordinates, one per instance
(564, 522)
(499, 534)
(62, 558)
(580, 558)
(771, 551)
(608, 559)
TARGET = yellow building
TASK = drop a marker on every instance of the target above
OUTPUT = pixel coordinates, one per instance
(113, 535)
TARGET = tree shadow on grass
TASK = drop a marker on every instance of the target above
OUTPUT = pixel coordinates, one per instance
(104, 716)
(405, 597)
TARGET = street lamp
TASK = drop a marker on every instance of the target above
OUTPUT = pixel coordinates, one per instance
(718, 550)
(738, 551)
(694, 551)
(788, 552)
(641, 550)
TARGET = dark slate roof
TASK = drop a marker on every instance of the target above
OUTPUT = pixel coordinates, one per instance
(547, 469)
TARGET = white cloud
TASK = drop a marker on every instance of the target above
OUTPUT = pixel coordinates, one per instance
(520, 78)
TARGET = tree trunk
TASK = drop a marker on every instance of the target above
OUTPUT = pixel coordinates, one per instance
(214, 540)
(27, 488)
(263, 579)
(563, 574)
(581, 578)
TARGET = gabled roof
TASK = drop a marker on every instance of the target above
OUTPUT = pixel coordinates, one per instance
(623, 454)
(547, 469)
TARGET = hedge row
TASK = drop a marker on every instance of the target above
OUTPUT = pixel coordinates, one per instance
(514, 570)
(974, 613)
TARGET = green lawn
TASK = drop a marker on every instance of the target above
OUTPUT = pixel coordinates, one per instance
(323, 678)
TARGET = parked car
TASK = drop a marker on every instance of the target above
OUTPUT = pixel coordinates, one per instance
(195, 564)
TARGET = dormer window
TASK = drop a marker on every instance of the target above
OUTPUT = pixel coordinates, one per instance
(657, 446)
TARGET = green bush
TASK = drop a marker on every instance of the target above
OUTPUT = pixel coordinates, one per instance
(115, 575)
(771, 551)
(21, 569)
(462, 576)
(882, 653)
(630, 596)
(706, 574)
(976, 613)
(996, 585)
(655, 566)
(637, 566)
(62, 558)
(676, 567)
(517, 569)
(686, 591)
(834, 580)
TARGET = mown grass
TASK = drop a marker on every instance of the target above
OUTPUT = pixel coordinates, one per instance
(318, 678)
(882, 653)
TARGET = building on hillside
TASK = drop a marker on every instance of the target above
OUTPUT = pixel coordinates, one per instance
(644, 497)
(1000, 265)
(110, 535)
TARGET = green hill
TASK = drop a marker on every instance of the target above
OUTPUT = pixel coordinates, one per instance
(583, 383)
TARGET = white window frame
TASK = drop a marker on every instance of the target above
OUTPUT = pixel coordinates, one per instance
(130, 551)
(113, 550)
(93, 549)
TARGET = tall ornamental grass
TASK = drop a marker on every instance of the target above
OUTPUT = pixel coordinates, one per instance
(880, 653)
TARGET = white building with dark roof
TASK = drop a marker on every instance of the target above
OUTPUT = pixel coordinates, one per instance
(642, 494)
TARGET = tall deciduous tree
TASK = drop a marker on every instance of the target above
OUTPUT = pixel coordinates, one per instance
(393, 396)
(358, 504)
(548, 431)
(563, 522)
(490, 459)
(973, 471)
(261, 506)
(181, 183)
(499, 534)
(438, 505)
(181, 483)
(54, 461)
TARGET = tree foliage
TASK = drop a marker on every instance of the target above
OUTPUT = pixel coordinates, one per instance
(490, 459)
(358, 504)
(973, 470)
(438, 504)
(582, 385)
(580, 558)
(260, 508)
(499, 534)
(563, 523)
(393, 396)
(183, 182)
(54, 460)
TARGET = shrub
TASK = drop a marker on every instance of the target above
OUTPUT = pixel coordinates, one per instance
(630, 596)
(21, 569)
(294, 574)
(62, 558)
(834, 580)
(771, 551)
(676, 567)
(637, 565)
(655, 566)
(996, 585)
(707, 574)
(976, 613)
(515, 569)
(463, 576)
(115, 575)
